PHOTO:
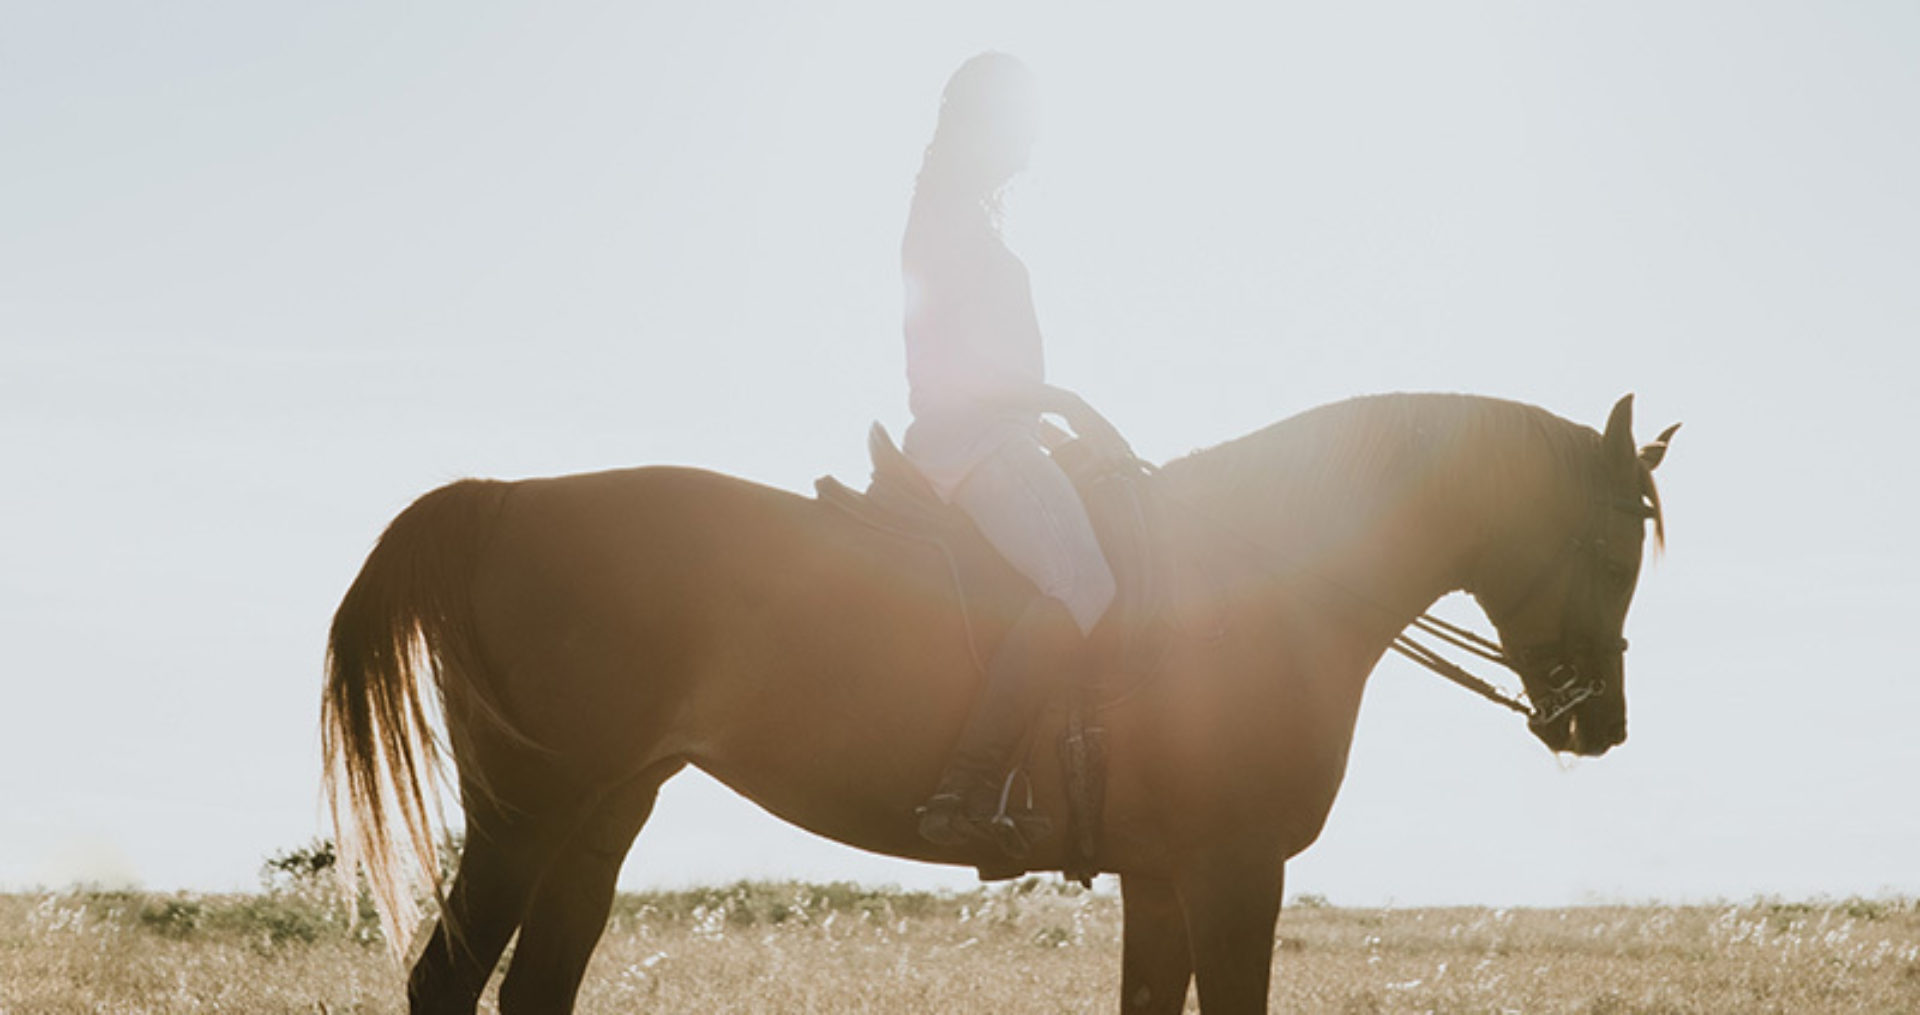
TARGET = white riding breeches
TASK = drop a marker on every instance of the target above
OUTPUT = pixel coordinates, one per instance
(1028, 509)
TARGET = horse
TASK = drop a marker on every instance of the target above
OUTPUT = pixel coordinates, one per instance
(589, 636)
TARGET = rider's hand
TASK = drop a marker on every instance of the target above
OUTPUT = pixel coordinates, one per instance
(1100, 438)
(1052, 437)
(1108, 447)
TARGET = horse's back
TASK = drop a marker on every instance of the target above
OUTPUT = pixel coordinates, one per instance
(660, 610)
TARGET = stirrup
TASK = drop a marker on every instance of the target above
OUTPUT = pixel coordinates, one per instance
(946, 821)
(1016, 832)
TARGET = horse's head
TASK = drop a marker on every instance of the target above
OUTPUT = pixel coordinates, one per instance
(1563, 607)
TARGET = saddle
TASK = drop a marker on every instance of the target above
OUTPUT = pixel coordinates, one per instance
(1161, 591)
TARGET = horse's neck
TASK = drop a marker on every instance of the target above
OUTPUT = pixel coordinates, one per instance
(1390, 511)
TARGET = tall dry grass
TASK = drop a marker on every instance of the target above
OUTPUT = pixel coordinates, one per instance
(1035, 946)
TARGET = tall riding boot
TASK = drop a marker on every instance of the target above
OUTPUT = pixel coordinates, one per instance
(1032, 660)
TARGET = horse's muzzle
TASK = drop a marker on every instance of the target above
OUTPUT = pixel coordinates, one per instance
(1557, 734)
(1583, 735)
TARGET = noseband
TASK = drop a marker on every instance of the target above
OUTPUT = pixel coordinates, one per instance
(1572, 689)
(1557, 661)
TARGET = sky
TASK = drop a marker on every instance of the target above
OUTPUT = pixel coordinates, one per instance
(270, 271)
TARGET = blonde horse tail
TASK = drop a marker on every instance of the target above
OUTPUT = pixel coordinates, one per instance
(407, 615)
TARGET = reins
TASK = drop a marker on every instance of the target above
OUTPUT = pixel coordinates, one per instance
(1467, 641)
(1555, 703)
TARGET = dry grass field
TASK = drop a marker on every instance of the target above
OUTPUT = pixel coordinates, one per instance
(1034, 946)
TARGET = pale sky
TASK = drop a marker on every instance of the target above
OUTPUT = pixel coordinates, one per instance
(268, 272)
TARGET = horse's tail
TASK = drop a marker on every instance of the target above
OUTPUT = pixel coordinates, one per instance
(407, 614)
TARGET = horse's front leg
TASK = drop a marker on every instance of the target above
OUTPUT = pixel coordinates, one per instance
(1156, 959)
(1231, 903)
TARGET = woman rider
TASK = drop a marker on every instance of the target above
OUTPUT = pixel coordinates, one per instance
(977, 391)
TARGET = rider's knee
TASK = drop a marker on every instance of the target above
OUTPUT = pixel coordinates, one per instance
(1089, 595)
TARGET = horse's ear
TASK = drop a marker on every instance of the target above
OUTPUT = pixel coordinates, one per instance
(1617, 443)
(1652, 455)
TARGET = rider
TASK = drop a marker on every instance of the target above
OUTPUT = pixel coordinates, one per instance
(978, 390)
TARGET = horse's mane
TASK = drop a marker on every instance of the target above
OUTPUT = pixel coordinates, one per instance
(1391, 446)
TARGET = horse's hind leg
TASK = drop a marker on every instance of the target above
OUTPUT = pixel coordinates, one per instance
(1156, 961)
(498, 866)
(569, 908)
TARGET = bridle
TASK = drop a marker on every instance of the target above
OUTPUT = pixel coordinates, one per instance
(1556, 662)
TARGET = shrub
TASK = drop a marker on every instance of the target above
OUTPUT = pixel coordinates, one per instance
(278, 919)
(177, 917)
(302, 868)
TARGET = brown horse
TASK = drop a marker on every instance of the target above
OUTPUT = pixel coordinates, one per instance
(591, 635)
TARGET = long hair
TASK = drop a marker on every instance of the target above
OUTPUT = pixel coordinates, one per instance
(979, 141)
(404, 637)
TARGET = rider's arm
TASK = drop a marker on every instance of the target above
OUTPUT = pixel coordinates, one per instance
(1043, 398)
(1083, 418)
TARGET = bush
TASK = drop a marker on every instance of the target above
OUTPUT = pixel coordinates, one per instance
(278, 919)
(304, 880)
(177, 917)
(302, 868)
